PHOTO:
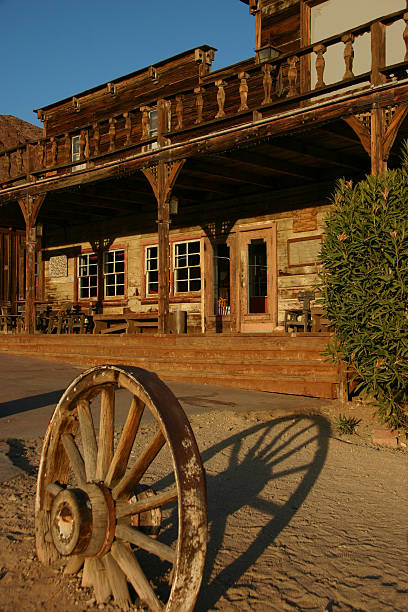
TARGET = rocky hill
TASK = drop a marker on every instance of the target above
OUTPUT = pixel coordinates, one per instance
(14, 131)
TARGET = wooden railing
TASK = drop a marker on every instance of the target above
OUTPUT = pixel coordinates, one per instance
(224, 96)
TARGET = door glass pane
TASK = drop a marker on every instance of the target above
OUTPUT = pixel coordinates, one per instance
(257, 276)
(221, 279)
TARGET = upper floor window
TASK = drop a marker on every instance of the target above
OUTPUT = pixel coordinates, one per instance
(187, 270)
(76, 152)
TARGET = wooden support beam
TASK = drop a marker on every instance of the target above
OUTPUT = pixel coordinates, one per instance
(30, 207)
(162, 178)
(378, 163)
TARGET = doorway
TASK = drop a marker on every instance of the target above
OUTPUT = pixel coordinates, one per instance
(257, 283)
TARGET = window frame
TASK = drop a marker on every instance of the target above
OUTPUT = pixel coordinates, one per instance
(108, 299)
(187, 267)
(175, 297)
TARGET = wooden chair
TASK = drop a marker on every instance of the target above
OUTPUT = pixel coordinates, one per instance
(223, 306)
(299, 319)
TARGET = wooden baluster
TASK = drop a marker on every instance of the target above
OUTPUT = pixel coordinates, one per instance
(320, 50)
(243, 91)
(377, 53)
(267, 83)
(128, 126)
(405, 36)
(292, 76)
(145, 121)
(179, 112)
(54, 151)
(348, 40)
(199, 103)
(112, 133)
(96, 138)
(220, 98)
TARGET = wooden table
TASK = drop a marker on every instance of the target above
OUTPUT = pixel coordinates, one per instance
(128, 323)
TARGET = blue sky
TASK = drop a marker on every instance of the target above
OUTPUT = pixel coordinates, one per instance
(52, 49)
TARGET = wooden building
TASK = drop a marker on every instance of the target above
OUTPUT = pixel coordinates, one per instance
(179, 188)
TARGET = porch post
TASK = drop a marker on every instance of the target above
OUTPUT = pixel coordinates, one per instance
(162, 176)
(31, 241)
(30, 207)
(378, 163)
(163, 223)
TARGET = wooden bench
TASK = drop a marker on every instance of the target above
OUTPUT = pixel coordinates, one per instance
(128, 323)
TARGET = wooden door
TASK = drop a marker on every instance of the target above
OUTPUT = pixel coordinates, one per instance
(257, 279)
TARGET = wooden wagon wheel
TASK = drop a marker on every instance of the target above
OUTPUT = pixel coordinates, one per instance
(92, 508)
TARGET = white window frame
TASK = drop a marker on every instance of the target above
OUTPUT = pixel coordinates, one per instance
(76, 153)
(84, 292)
(189, 280)
(115, 275)
(149, 270)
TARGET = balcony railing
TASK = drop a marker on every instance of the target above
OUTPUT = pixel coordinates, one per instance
(229, 96)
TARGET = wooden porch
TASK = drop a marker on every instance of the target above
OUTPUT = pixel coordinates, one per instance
(276, 362)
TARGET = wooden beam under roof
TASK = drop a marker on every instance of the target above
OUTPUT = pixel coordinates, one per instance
(209, 170)
(316, 153)
(266, 164)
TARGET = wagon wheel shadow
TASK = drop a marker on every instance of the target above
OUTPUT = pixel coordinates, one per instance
(242, 482)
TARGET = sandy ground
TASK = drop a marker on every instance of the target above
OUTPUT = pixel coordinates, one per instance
(299, 518)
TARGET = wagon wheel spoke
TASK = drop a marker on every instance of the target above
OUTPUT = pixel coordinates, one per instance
(156, 501)
(74, 565)
(75, 459)
(129, 565)
(117, 581)
(88, 438)
(128, 483)
(120, 459)
(133, 536)
(106, 432)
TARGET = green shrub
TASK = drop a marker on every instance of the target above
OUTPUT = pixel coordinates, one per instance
(345, 425)
(364, 286)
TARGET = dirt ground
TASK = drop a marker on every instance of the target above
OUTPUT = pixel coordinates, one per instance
(299, 519)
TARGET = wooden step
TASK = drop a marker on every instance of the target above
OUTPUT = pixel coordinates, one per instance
(279, 363)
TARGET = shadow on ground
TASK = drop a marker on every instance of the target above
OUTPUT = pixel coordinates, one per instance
(241, 484)
(32, 402)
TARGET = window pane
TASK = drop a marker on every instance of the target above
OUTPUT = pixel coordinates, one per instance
(194, 260)
(195, 273)
(181, 248)
(181, 262)
(193, 247)
(195, 285)
(182, 286)
(182, 274)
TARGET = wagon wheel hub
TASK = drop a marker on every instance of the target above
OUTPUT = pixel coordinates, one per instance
(83, 520)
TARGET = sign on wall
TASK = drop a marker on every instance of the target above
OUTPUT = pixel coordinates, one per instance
(58, 266)
(304, 251)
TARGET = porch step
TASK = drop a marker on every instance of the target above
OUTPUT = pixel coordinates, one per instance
(274, 363)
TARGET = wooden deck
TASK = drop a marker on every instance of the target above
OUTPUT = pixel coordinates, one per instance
(280, 363)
